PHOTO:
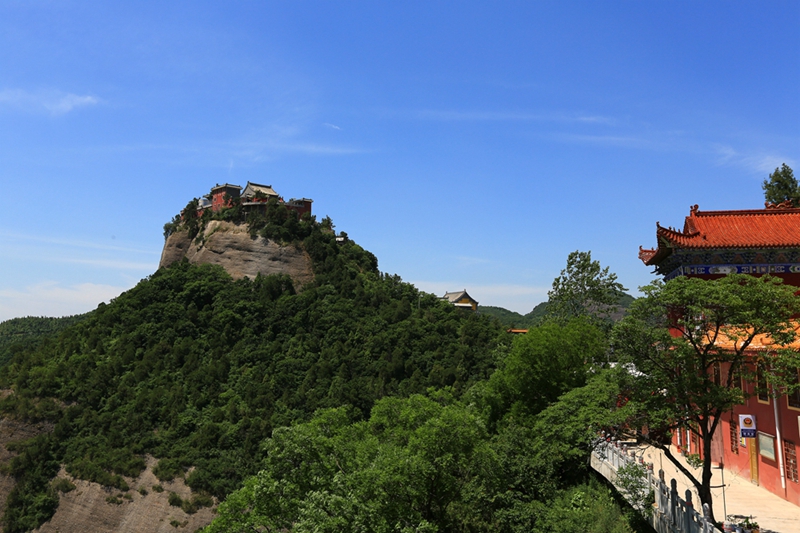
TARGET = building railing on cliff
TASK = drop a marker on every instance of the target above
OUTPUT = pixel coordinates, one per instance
(670, 513)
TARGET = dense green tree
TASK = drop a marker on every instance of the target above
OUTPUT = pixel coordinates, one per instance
(543, 364)
(781, 186)
(584, 288)
(428, 463)
(27, 333)
(674, 384)
(403, 469)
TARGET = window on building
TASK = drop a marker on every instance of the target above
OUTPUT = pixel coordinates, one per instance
(717, 374)
(794, 397)
(790, 456)
(761, 382)
(766, 446)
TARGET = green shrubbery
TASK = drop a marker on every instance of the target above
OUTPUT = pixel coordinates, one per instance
(63, 485)
(429, 463)
(25, 334)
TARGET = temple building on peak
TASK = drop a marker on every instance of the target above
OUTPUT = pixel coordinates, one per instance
(253, 196)
(461, 300)
(715, 243)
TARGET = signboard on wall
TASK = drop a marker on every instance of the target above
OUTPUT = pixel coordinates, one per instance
(747, 426)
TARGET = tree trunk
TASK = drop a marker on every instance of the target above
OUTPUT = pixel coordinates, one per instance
(705, 488)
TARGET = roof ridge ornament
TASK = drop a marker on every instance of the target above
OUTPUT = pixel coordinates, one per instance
(786, 204)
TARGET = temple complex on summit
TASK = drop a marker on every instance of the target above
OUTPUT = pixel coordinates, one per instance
(253, 196)
(715, 243)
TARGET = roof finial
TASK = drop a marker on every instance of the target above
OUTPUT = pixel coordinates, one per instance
(693, 209)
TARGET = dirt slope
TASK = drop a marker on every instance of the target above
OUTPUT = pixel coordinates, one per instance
(86, 509)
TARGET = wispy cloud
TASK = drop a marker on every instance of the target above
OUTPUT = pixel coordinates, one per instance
(467, 261)
(46, 255)
(72, 243)
(622, 141)
(316, 149)
(107, 263)
(760, 162)
(51, 101)
(504, 116)
(52, 299)
(332, 126)
(263, 149)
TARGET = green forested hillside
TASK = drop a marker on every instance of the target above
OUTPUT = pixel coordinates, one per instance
(510, 455)
(359, 404)
(24, 333)
(197, 369)
(513, 319)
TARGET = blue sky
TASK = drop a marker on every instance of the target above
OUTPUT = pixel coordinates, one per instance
(468, 145)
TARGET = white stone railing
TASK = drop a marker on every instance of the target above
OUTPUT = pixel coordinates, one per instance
(671, 513)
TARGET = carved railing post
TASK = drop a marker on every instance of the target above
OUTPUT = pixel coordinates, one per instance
(660, 492)
(688, 514)
(673, 501)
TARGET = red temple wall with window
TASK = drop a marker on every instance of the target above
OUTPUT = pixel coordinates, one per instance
(742, 241)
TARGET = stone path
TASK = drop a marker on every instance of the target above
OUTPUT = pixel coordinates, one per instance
(773, 513)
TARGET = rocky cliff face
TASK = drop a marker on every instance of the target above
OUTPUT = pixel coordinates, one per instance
(231, 247)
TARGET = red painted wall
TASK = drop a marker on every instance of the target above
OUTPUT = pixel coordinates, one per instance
(218, 198)
(769, 472)
(304, 207)
(738, 461)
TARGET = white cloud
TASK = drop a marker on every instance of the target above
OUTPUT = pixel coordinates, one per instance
(469, 261)
(519, 298)
(258, 150)
(507, 116)
(27, 238)
(53, 102)
(52, 299)
(606, 140)
(762, 162)
(110, 263)
(332, 126)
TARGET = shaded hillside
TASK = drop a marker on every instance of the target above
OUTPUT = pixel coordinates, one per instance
(512, 319)
(24, 333)
(196, 369)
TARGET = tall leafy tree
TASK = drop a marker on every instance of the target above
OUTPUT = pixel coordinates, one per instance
(543, 364)
(680, 332)
(782, 186)
(584, 289)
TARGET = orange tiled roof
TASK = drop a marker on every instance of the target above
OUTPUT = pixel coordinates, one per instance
(760, 343)
(773, 227)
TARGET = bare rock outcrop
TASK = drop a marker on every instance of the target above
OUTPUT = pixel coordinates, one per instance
(93, 508)
(230, 246)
